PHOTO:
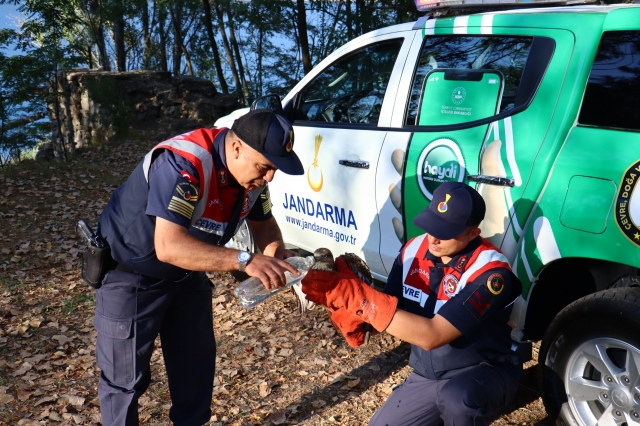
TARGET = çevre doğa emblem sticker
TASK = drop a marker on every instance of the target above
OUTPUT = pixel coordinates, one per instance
(627, 210)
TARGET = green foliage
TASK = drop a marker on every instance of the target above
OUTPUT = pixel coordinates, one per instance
(60, 35)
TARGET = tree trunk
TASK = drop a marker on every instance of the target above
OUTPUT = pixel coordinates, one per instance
(349, 21)
(332, 31)
(179, 42)
(118, 37)
(214, 46)
(146, 33)
(236, 50)
(304, 37)
(95, 9)
(260, 39)
(176, 18)
(162, 48)
(225, 42)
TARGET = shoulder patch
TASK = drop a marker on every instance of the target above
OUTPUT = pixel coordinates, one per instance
(184, 198)
(479, 302)
(495, 283)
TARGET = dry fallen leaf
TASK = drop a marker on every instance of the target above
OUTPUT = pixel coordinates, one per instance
(76, 400)
(26, 366)
(278, 417)
(353, 383)
(264, 389)
(24, 395)
(6, 398)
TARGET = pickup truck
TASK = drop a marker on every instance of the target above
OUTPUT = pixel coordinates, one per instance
(539, 110)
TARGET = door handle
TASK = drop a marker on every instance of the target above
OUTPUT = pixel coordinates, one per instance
(358, 164)
(492, 180)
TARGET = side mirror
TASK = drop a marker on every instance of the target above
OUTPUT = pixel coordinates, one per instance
(270, 102)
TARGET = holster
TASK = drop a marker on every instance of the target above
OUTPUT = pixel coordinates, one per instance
(96, 262)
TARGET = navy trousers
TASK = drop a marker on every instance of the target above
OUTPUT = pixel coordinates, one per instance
(131, 310)
(467, 399)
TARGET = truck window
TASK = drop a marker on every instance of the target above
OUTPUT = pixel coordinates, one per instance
(351, 89)
(508, 55)
(613, 91)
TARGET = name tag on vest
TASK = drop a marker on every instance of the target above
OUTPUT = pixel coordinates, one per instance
(414, 294)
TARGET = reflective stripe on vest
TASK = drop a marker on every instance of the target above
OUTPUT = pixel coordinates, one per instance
(197, 148)
(200, 157)
(415, 271)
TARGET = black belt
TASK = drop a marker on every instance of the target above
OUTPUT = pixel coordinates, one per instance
(123, 268)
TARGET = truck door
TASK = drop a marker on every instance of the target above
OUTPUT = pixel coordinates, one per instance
(497, 156)
(343, 114)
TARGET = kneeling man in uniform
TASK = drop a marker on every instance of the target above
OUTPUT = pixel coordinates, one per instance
(449, 294)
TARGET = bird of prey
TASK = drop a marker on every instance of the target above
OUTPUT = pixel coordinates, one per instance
(322, 260)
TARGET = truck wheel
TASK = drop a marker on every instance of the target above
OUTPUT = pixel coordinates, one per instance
(590, 360)
(242, 240)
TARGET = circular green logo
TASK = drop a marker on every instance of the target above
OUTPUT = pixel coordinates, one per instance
(440, 162)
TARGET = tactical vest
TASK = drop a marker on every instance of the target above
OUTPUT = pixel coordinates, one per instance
(130, 232)
(490, 342)
(415, 270)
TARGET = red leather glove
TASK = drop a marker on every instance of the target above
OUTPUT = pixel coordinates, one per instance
(351, 327)
(337, 290)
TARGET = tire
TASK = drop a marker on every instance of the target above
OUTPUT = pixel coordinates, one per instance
(590, 360)
(242, 240)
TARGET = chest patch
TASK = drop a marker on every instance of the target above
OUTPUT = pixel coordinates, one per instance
(415, 294)
(450, 285)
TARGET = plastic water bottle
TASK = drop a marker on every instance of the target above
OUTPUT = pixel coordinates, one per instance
(252, 292)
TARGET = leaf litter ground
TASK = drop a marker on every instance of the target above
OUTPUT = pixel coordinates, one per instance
(273, 367)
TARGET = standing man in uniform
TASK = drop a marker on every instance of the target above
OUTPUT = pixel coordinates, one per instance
(167, 225)
(449, 294)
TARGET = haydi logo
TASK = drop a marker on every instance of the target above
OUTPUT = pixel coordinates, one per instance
(450, 172)
(441, 161)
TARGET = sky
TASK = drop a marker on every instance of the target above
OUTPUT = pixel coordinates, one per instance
(9, 16)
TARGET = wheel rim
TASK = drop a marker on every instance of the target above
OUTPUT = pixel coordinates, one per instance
(602, 382)
(242, 240)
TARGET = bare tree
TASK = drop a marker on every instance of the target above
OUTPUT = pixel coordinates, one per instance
(227, 48)
(236, 50)
(304, 37)
(214, 46)
(178, 43)
(118, 35)
(95, 19)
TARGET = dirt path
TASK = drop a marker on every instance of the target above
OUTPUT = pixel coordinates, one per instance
(273, 366)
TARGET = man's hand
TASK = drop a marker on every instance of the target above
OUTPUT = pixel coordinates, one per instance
(270, 270)
(283, 253)
(342, 290)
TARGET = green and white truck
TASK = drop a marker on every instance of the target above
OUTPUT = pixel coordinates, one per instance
(539, 110)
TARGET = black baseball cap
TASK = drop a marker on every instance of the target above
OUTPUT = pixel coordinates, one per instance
(454, 207)
(272, 136)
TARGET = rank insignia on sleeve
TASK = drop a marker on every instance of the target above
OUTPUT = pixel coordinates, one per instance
(495, 283)
(184, 198)
(266, 200)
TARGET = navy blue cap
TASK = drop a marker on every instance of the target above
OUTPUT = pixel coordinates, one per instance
(454, 207)
(272, 136)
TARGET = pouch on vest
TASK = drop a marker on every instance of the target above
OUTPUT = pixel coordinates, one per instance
(96, 258)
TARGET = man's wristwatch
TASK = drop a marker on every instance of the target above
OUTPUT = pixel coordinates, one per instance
(244, 257)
